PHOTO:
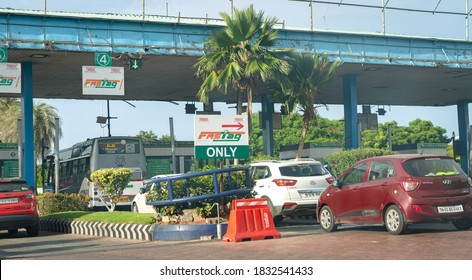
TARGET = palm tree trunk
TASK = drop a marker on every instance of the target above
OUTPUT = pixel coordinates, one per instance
(249, 111)
(302, 138)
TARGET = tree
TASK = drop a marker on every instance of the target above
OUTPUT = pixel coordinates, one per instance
(44, 116)
(308, 74)
(326, 131)
(111, 182)
(240, 56)
(147, 136)
(10, 108)
(44, 122)
(417, 131)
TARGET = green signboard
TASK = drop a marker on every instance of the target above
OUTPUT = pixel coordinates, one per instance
(103, 59)
(3, 54)
(9, 168)
(157, 166)
(221, 152)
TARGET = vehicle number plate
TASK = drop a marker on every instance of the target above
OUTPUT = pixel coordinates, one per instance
(450, 209)
(123, 199)
(309, 195)
(8, 200)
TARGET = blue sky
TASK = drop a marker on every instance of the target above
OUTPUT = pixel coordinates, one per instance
(79, 116)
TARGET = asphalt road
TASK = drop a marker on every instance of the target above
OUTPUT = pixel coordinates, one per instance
(301, 240)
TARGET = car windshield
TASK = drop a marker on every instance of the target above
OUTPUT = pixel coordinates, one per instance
(432, 167)
(13, 187)
(302, 170)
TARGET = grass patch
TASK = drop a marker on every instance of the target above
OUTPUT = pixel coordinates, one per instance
(119, 217)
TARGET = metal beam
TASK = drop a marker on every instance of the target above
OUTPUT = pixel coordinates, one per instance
(20, 31)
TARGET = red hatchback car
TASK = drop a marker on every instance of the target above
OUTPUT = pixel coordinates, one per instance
(398, 190)
(18, 207)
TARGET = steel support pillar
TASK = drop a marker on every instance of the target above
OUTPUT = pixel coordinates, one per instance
(28, 163)
(463, 121)
(350, 111)
(267, 126)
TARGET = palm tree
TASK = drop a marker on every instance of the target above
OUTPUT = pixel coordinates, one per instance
(309, 73)
(44, 116)
(11, 110)
(240, 57)
(44, 122)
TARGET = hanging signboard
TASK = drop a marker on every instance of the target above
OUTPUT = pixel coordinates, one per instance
(221, 137)
(10, 78)
(98, 80)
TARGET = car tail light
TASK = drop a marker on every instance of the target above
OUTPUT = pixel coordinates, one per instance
(330, 180)
(29, 196)
(410, 185)
(284, 182)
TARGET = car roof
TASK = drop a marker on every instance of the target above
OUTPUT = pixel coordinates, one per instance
(13, 180)
(288, 161)
(403, 157)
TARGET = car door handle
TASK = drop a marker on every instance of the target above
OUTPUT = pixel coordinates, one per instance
(384, 184)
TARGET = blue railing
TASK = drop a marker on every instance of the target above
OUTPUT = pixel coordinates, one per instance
(216, 185)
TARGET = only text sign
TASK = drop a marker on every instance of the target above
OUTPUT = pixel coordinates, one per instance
(221, 137)
(98, 80)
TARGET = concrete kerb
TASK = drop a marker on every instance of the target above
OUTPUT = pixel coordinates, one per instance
(139, 232)
(178, 232)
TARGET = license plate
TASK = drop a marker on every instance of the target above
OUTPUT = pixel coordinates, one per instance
(123, 199)
(309, 195)
(9, 200)
(450, 209)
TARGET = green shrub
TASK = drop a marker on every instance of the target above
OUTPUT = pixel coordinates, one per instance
(111, 182)
(62, 202)
(341, 161)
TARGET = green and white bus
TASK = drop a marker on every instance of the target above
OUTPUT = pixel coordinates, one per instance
(82, 159)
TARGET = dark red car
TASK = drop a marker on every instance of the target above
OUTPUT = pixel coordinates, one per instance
(18, 207)
(398, 190)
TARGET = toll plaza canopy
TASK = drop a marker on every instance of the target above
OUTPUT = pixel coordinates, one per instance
(378, 69)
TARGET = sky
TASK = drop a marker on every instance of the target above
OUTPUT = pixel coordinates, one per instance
(78, 117)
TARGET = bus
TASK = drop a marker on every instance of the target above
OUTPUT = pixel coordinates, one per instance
(82, 159)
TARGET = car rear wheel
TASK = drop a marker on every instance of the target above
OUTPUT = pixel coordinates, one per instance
(276, 218)
(327, 221)
(134, 208)
(13, 231)
(33, 231)
(463, 224)
(394, 220)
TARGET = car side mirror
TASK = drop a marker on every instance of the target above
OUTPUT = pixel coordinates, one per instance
(141, 190)
(337, 184)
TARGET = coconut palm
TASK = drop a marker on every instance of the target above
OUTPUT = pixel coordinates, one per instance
(43, 123)
(10, 112)
(308, 74)
(240, 57)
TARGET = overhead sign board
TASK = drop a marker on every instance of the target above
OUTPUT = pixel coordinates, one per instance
(135, 64)
(3, 54)
(103, 80)
(103, 59)
(10, 78)
(221, 137)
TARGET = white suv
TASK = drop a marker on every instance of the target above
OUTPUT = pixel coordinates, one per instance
(292, 187)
